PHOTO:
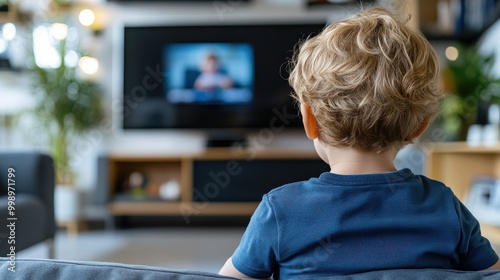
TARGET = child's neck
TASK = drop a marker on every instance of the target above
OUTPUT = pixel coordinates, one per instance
(350, 161)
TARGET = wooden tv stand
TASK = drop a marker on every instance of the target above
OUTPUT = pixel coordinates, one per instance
(215, 181)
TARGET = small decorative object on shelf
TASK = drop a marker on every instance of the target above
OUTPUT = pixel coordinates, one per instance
(483, 199)
(488, 134)
(170, 190)
(135, 185)
(213, 182)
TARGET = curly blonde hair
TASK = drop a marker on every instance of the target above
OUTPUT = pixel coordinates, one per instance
(370, 81)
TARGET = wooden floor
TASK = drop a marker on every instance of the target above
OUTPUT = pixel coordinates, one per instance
(204, 249)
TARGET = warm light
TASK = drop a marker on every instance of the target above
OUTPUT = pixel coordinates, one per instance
(86, 17)
(451, 53)
(71, 59)
(59, 31)
(88, 65)
(9, 31)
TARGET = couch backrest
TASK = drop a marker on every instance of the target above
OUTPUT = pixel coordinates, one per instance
(42, 269)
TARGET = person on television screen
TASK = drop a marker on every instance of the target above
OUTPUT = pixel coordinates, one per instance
(211, 77)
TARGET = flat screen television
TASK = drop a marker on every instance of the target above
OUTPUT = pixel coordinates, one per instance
(213, 77)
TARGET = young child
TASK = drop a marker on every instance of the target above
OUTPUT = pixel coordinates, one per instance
(367, 86)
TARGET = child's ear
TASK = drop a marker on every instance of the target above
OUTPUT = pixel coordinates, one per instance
(423, 126)
(309, 121)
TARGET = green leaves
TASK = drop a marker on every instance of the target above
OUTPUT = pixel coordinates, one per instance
(74, 104)
(67, 106)
(471, 83)
(470, 73)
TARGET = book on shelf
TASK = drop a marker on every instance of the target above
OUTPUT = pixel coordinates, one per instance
(458, 17)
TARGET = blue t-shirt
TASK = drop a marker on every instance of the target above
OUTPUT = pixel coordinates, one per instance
(346, 224)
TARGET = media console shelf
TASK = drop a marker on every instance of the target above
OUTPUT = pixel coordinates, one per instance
(457, 164)
(216, 181)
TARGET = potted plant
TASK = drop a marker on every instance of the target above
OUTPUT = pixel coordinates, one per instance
(68, 105)
(471, 87)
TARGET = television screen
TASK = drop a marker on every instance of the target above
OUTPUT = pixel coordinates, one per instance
(209, 73)
(223, 77)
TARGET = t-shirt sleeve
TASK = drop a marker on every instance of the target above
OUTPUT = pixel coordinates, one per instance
(256, 256)
(474, 250)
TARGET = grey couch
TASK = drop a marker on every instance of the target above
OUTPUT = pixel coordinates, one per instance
(34, 200)
(38, 269)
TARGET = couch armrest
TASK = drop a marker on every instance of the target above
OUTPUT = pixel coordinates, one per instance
(34, 175)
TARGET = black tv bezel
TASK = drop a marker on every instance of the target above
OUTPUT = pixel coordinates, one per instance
(259, 119)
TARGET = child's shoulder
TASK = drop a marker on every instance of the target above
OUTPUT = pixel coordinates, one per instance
(290, 190)
(434, 185)
(294, 193)
(286, 189)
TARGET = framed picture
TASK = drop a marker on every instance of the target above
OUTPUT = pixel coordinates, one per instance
(483, 199)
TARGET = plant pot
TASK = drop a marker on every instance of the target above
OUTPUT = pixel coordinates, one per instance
(67, 204)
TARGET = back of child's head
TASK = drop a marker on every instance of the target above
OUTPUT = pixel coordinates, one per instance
(370, 81)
